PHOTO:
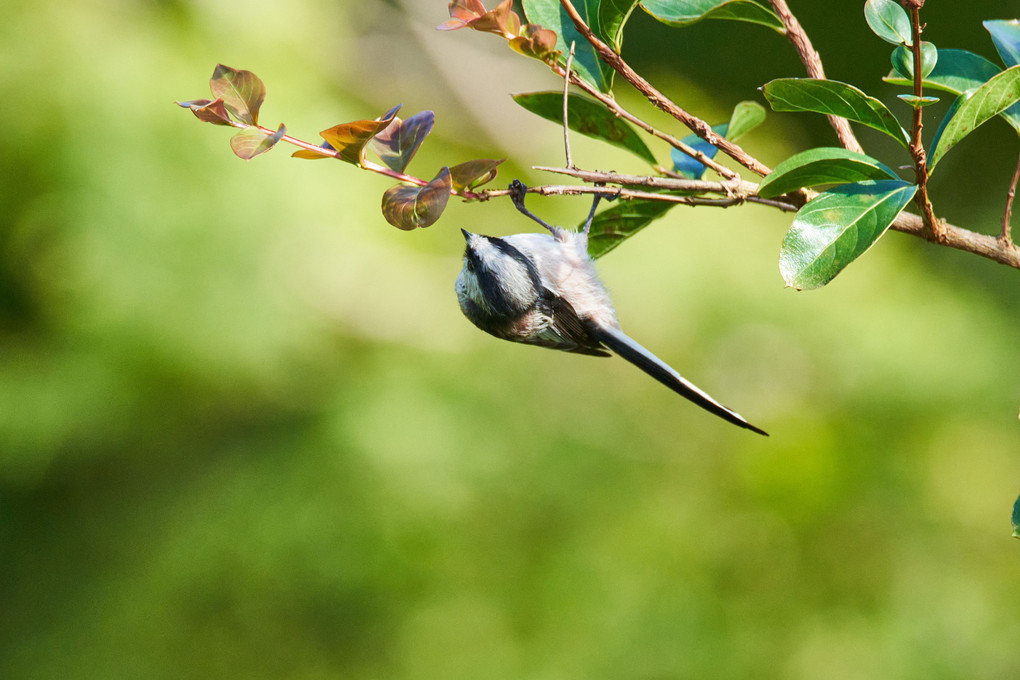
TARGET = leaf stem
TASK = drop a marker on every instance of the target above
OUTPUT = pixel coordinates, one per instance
(1005, 239)
(566, 91)
(935, 229)
(813, 63)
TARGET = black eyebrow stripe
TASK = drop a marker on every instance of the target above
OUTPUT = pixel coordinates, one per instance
(516, 254)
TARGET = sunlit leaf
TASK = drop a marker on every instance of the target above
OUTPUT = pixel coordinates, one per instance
(251, 141)
(312, 155)
(889, 21)
(918, 102)
(958, 71)
(501, 20)
(746, 116)
(473, 173)
(587, 117)
(902, 59)
(825, 165)
(208, 111)
(833, 98)
(686, 12)
(613, 226)
(400, 140)
(242, 92)
(838, 226)
(1006, 36)
(350, 139)
(409, 207)
(550, 15)
(974, 107)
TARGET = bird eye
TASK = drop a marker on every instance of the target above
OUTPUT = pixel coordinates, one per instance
(469, 265)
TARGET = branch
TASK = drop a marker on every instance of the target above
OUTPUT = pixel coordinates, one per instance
(661, 101)
(813, 63)
(1005, 240)
(961, 239)
(917, 151)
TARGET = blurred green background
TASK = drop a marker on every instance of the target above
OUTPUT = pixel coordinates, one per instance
(246, 433)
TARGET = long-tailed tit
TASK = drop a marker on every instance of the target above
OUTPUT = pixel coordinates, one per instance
(542, 289)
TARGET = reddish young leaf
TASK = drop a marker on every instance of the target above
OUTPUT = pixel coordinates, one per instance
(536, 42)
(350, 139)
(471, 14)
(242, 92)
(399, 141)
(312, 155)
(408, 207)
(473, 174)
(251, 141)
(208, 111)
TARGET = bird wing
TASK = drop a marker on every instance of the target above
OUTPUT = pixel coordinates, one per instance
(616, 340)
(557, 326)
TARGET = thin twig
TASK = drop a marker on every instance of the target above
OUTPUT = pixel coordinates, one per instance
(736, 189)
(566, 90)
(813, 63)
(917, 152)
(1005, 239)
(659, 100)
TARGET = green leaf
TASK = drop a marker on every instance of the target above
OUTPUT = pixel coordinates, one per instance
(587, 117)
(409, 207)
(889, 21)
(1006, 36)
(974, 107)
(833, 98)
(251, 141)
(350, 139)
(473, 174)
(918, 102)
(838, 226)
(613, 226)
(1016, 518)
(400, 140)
(208, 111)
(551, 15)
(746, 116)
(902, 59)
(612, 15)
(242, 92)
(955, 71)
(687, 12)
(825, 165)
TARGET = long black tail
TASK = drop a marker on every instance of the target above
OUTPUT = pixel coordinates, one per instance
(627, 348)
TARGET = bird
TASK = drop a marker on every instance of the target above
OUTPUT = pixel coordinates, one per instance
(543, 289)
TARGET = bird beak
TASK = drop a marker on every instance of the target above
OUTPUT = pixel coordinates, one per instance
(467, 234)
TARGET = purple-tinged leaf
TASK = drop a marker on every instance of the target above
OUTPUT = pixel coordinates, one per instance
(208, 111)
(242, 92)
(399, 141)
(251, 141)
(473, 174)
(409, 207)
(350, 139)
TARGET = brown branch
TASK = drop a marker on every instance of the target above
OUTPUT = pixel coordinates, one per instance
(960, 239)
(661, 101)
(917, 152)
(813, 63)
(1005, 239)
(733, 189)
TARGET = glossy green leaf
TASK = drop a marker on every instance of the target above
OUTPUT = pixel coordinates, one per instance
(350, 139)
(746, 116)
(1016, 518)
(902, 59)
(1006, 36)
(613, 226)
(400, 140)
(409, 207)
(473, 174)
(889, 21)
(208, 111)
(918, 102)
(612, 15)
(825, 165)
(838, 226)
(587, 117)
(242, 92)
(833, 98)
(251, 141)
(551, 15)
(687, 12)
(955, 71)
(974, 107)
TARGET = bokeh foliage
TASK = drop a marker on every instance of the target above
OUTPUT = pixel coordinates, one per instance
(244, 431)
